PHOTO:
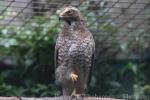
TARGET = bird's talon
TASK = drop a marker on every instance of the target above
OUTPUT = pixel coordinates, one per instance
(74, 77)
(77, 96)
(84, 95)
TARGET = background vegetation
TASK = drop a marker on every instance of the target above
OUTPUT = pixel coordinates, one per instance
(28, 52)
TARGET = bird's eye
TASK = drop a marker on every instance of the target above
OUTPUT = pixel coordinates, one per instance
(69, 12)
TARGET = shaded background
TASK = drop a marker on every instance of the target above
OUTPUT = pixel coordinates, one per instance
(28, 31)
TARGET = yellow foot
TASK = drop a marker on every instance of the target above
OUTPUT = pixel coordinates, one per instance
(74, 77)
(77, 96)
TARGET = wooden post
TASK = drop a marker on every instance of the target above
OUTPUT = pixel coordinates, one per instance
(56, 98)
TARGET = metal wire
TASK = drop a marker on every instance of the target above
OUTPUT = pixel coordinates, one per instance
(111, 8)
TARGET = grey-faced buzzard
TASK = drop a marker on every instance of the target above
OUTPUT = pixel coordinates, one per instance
(74, 53)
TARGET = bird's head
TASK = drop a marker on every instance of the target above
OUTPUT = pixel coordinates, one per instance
(69, 14)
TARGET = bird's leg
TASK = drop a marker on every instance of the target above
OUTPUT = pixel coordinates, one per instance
(74, 92)
(72, 74)
(73, 77)
(74, 95)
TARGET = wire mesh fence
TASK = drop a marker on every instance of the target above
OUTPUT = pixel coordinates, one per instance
(128, 14)
(126, 18)
(121, 29)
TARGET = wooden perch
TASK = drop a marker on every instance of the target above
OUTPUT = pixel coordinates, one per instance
(55, 98)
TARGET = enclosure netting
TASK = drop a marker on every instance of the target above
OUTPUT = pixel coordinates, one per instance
(125, 19)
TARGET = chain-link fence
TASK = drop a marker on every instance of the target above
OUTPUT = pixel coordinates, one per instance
(127, 15)
(121, 29)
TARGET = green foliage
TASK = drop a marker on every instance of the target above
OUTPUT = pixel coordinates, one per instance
(31, 48)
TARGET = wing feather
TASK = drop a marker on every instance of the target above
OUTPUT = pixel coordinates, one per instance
(56, 56)
(92, 63)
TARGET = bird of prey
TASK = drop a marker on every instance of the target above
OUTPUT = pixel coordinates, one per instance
(74, 53)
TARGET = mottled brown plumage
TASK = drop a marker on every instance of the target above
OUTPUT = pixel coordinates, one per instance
(74, 53)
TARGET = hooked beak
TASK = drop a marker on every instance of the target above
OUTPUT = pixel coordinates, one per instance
(58, 13)
(60, 18)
